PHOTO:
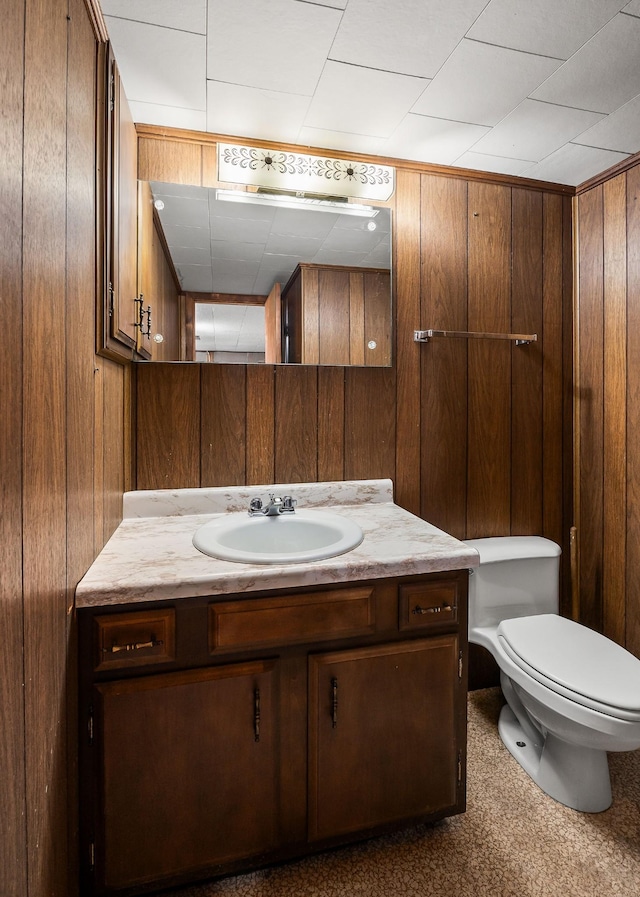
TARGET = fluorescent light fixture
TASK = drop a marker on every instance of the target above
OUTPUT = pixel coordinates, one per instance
(283, 201)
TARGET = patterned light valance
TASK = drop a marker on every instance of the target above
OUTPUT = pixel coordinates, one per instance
(278, 170)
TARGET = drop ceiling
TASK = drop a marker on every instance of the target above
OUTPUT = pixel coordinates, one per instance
(544, 89)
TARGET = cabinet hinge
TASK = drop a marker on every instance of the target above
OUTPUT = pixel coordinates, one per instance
(111, 291)
(459, 766)
(112, 93)
(460, 665)
(92, 855)
(90, 725)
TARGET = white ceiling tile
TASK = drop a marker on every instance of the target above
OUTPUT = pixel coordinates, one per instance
(548, 27)
(280, 46)
(432, 139)
(221, 249)
(193, 237)
(188, 15)
(497, 164)
(573, 164)
(168, 116)
(247, 112)
(603, 74)
(619, 131)
(322, 138)
(412, 37)
(534, 130)
(480, 83)
(195, 278)
(366, 101)
(142, 52)
(334, 4)
(182, 256)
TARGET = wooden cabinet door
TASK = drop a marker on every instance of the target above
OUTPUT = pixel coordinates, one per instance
(188, 771)
(121, 216)
(382, 734)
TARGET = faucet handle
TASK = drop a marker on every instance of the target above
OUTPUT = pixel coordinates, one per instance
(255, 505)
(288, 503)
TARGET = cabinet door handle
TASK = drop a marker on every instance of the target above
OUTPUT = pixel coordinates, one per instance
(133, 646)
(256, 714)
(334, 702)
(436, 609)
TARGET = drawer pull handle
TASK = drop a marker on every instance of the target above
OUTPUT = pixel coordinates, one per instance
(334, 703)
(256, 714)
(437, 609)
(133, 646)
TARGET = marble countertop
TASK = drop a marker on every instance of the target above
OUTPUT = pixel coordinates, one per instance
(150, 557)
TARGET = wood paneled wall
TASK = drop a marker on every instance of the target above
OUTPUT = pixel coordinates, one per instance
(62, 428)
(607, 394)
(476, 435)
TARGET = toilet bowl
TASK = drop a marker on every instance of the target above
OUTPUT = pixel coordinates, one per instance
(572, 694)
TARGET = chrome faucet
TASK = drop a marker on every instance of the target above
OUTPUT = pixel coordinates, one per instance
(274, 507)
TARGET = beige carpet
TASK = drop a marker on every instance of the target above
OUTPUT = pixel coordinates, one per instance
(513, 841)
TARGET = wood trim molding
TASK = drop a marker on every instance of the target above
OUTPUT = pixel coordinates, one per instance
(157, 132)
(97, 20)
(610, 173)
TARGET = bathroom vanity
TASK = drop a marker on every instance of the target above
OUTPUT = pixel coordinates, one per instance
(233, 715)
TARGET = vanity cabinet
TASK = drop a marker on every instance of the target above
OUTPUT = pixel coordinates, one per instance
(222, 733)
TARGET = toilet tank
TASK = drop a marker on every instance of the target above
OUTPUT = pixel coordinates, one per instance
(518, 576)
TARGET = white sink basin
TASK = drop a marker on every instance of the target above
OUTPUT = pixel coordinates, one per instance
(285, 539)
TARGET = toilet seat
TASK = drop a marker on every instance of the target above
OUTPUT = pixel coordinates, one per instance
(575, 662)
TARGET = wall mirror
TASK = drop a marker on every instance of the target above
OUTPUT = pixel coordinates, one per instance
(277, 278)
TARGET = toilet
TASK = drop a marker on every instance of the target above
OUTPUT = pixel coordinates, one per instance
(572, 694)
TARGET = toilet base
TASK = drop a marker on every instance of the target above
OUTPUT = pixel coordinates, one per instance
(575, 776)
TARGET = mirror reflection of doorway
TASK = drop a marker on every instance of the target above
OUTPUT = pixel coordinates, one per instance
(229, 334)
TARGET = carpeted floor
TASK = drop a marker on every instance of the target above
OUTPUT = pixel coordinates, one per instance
(513, 841)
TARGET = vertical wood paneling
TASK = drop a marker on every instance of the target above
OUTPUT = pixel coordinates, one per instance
(80, 411)
(444, 362)
(331, 385)
(633, 412)
(615, 407)
(489, 437)
(296, 424)
(115, 403)
(168, 413)
(44, 443)
(370, 423)
(223, 424)
(406, 280)
(169, 161)
(552, 379)
(260, 424)
(590, 392)
(13, 843)
(81, 261)
(526, 364)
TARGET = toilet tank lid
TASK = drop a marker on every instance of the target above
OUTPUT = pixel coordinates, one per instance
(513, 548)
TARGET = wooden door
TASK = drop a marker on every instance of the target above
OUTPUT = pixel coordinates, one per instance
(382, 734)
(189, 772)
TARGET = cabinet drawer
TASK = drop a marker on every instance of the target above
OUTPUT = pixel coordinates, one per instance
(136, 638)
(428, 605)
(339, 613)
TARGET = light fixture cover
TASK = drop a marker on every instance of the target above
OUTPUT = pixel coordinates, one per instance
(280, 170)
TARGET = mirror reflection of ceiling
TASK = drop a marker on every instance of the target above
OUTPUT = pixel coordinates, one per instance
(229, 247)
(545, 89)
